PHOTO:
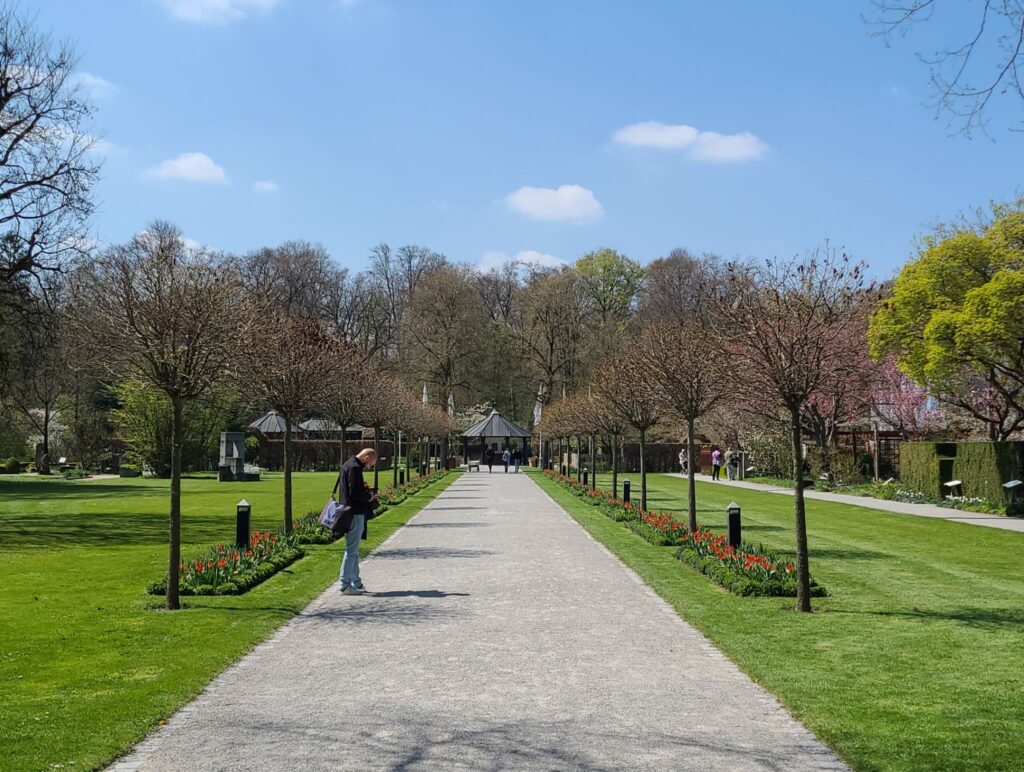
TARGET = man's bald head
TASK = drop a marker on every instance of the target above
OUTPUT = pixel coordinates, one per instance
(367, 456)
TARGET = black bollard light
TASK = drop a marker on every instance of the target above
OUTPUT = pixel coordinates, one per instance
(735, 536)
(625, 491)
(401, 477)
(243, 514)
(586, 478)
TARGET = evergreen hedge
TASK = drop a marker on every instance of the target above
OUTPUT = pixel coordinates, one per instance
(982, 467)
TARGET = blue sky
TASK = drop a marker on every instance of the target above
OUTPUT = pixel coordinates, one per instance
(547, 127)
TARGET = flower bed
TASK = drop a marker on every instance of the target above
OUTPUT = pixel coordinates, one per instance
(227, 570)
(747, 571)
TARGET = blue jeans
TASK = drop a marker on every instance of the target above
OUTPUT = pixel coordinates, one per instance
(349, 574)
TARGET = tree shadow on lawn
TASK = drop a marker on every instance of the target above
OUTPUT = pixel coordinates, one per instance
(108, 529)
(59, 489)
(1011, 619)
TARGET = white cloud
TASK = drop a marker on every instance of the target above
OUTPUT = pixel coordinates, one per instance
(191, 167)
(699, 145)
(528, 257)
(719, 148)
(265, 186)
(568, 203)
(655, 134)
(217, 11)
(94, 84)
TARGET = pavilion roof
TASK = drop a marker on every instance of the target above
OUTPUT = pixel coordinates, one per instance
(495, 425)
(271, 422)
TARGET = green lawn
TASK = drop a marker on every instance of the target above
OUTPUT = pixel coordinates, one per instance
(915, 661)
(87, 666)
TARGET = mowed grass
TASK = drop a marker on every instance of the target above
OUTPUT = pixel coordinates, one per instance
(915, 660)
(87, 666)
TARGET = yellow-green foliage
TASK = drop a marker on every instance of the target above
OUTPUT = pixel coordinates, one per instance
(956, 312)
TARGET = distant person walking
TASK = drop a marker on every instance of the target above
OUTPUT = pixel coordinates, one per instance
(732, 464)
(354, 492)
(683, 461)
(506, 459)
(489, 459)
(517, 458)
(716, 464)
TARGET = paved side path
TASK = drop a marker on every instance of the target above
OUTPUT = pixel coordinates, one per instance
(897, 507)
(499, 636)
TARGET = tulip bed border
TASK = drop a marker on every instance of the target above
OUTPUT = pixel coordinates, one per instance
(228, 570)
(747, 571)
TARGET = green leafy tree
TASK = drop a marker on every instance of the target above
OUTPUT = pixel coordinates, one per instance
(954, 320)
(610, 283)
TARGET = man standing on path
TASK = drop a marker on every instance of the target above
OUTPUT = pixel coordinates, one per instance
(506, 457)
(355, 493)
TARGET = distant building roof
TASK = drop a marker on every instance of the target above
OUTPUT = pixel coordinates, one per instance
(271, 422)
(495, 425)
(327, 425)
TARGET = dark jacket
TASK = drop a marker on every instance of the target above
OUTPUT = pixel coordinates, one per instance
(353, 490)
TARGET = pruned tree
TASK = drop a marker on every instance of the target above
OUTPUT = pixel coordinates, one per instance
(783, 324)
(294, 367)
(687, 377)
(166, 314)
(627, 389)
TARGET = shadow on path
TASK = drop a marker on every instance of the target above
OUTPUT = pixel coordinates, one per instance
(430, 553)
(448, 525)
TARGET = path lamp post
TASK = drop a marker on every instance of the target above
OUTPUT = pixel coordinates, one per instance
(243, 514)
(735, 536)
(586, 477)
(625, 490)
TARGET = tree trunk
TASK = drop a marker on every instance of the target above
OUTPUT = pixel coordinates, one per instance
(691, 483)
(593, 466)
(803, 572)
(287, 474)
(397, 445)
(174, 556)
(579, 458)
(643, 471)
(408, 474)
(615, 466)
(376, 453)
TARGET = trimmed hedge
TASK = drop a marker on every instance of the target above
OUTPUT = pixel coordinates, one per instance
(983, 467)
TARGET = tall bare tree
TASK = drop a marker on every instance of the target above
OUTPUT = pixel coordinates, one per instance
(47, 170)
(968, 73)
(169, 315)
(784, 325)
(687, 375)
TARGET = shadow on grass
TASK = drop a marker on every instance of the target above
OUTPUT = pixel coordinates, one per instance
(60, 489)
(107, 529)
(848, 554)
(982, 618)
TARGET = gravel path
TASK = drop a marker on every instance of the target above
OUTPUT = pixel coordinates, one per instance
(499, 635)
